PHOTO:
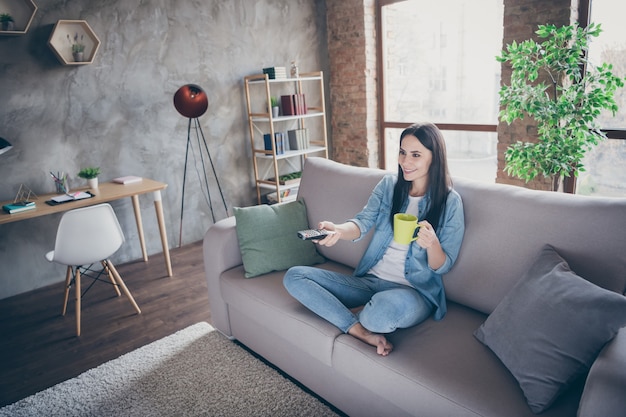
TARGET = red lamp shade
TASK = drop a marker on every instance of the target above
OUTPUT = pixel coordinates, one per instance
(191, 101)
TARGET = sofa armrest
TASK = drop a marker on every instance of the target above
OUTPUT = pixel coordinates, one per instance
(606, 382)
(221, 253)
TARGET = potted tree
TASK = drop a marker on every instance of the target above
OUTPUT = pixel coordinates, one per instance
(6, 22)
(553, 83)
(91, 175)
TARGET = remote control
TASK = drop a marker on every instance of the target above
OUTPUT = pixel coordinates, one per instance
(312, 234)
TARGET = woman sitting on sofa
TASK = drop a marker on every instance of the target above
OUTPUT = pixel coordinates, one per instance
(399, 285)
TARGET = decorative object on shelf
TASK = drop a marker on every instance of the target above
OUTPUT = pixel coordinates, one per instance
(91, 175)
(81, 39)
(275, 107)
(6, 21)
(78, 47)
(191, 101)
(24, 194)
(289, 179)
(295, 72)
(23, 201)
(565, 104)
(5, 146)
(16, 16)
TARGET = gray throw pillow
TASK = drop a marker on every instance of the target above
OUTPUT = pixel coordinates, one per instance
(550, 328)
(268, 238)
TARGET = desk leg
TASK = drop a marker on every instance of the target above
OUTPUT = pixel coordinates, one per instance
(142, 240)
(158, 206)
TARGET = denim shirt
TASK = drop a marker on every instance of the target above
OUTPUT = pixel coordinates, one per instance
(376, 214)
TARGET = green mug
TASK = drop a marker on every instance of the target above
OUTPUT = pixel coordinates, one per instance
(404, 227)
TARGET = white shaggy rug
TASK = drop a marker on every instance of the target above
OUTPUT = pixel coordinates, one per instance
(194, 372)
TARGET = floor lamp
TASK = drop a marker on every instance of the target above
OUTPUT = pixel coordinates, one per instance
(191, 101)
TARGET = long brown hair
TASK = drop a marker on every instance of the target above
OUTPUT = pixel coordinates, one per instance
(439, 180)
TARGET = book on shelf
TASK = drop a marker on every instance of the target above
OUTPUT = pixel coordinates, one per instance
(276, 73)
(298, 139)
(281, 142)
(293, 104)
(128, 179)
(19, 206)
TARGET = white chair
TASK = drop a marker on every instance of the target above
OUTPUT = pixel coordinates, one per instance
(88, 236)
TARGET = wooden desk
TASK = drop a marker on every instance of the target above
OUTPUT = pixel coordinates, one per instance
(105, 193)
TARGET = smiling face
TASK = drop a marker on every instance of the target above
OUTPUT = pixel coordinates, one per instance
(414, 160)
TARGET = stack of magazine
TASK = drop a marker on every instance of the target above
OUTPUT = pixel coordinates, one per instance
(276, 73)
(19, 206)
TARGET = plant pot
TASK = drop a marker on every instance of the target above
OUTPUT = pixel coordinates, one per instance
(78, 56)
(7, 26)
(93, 183)
(275, 111)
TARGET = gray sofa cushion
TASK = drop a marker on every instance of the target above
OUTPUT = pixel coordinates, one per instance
(550, 328)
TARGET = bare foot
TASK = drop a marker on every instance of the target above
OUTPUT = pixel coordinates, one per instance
(380, 342)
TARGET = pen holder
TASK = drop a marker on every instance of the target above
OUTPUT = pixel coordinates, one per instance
(62, 186)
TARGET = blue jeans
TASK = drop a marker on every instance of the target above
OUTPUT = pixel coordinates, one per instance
(387, 305)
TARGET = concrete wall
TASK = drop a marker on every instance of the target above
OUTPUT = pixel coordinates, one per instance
(117, 113)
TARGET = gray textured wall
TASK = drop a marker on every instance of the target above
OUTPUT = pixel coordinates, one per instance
(117, 113)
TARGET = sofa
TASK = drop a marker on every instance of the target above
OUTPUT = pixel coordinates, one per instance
(441, 368)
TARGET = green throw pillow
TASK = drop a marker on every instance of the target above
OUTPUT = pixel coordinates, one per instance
(550, 328)
(268, 238)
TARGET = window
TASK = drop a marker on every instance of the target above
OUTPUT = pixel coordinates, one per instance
(439, 65)
(605, 165)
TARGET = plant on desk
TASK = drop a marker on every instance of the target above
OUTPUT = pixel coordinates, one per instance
(91, 175)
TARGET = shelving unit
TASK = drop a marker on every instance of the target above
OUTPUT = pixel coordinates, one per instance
(62, 46)
(22, 11)
(269, 164)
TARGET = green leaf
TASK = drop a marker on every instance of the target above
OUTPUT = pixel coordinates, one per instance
(547, 86)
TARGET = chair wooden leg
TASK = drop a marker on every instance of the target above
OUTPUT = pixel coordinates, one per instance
(68, 281)
(111, 277)
(120, 281)
(77, 282)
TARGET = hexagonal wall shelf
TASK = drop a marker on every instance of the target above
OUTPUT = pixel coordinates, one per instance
(67, 32)
(22, 12)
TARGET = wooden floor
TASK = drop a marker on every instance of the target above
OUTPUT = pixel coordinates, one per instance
(39, 347)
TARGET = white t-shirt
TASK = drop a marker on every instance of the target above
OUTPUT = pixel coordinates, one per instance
(391, 265)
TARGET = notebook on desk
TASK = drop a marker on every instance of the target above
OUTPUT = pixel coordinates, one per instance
(65, 198)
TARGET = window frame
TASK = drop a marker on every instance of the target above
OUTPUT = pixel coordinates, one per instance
(584, 15)
(389, 124)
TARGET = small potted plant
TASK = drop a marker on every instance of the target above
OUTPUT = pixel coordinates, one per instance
(7, 21)
(91, 175)
(78, 47)
(274, 105)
